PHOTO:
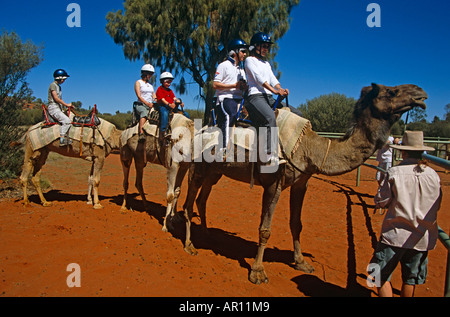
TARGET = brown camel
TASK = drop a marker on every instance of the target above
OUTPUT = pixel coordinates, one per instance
(35, 159)
(154, 150)
(378, 108)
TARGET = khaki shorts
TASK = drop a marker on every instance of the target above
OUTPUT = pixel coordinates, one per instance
(413, 263)
(141, 110)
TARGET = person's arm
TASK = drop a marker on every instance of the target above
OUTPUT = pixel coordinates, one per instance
(384, 193)
(277, 90)
(219, 86)
(218, 79)
(60, 101)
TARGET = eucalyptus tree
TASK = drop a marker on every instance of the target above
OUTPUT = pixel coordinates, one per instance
(191, 37)
(17, 58)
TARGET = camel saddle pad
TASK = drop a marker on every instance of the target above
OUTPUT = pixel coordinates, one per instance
(178, 120)
(41, 135)
(291, 128)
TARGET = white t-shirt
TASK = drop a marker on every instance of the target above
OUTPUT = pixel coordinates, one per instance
(228, 73)
(147, 90)
(258, 72)
(384, 154)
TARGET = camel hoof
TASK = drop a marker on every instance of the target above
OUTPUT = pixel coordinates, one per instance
(258, 276)
(47, 204)
(191, 249)
(304, 267)
(123, 209)
(98, 206)
(89, 202)
(164, 228)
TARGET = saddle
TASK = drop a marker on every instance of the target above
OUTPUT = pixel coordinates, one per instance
(89, 120)
(152, 116)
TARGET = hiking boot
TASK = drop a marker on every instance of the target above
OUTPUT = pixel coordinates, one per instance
(64, 141)
(274, 160)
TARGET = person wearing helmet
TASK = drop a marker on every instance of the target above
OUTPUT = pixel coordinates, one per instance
(262, 86)
(145, 97)
(55, 104)
(167, 101)
(230, 83)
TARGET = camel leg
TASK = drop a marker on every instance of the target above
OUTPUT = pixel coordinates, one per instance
(195, 182)
(27, 168)
(90, 186)
(126, 159)
(139, 165)
(207, 185)
(270, 199)
(37, 163)
(297, 195)
(179, 180)
(97, 166)
(175, 176)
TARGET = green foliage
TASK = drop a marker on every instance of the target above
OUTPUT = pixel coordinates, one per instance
(120, 120)
(190, 37)
(437, 128)
(329, 113)
(16, 60)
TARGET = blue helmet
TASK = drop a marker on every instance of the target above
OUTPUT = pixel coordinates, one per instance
(60, 74)
(260, 37)
(236, 44)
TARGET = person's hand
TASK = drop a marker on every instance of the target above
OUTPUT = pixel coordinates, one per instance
(241, 85)
(283, 92)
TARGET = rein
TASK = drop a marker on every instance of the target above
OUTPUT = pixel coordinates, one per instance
(326, 155)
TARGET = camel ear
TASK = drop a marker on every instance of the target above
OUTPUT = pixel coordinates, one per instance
(375, 89)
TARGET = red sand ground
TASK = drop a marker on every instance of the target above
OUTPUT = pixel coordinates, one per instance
(128, 254)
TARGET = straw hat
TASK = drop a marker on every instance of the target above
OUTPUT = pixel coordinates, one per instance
(412, 141)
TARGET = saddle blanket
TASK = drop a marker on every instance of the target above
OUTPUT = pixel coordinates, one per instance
(291, 129)
(178, 120)
(41, 135)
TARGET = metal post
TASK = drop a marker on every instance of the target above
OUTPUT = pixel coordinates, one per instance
(444, 238)
(358, 174)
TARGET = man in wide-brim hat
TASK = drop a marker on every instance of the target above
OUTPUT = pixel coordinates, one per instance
(412, 141)
(411, 192)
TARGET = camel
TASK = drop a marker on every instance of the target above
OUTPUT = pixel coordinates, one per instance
(377, 109)
(34, 160)
(154, 151)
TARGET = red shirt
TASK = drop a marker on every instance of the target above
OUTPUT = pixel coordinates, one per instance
(168, 95)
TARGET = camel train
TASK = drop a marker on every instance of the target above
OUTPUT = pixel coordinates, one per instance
(377, 109)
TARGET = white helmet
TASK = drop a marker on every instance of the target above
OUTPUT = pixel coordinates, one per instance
(165, 75)
(147, 68)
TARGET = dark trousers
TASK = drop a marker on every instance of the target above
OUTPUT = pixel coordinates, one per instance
(226, 117)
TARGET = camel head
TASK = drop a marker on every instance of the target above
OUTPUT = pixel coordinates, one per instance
(114, 140)
(390, 103)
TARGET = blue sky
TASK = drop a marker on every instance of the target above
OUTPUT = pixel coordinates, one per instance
(329, 48)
